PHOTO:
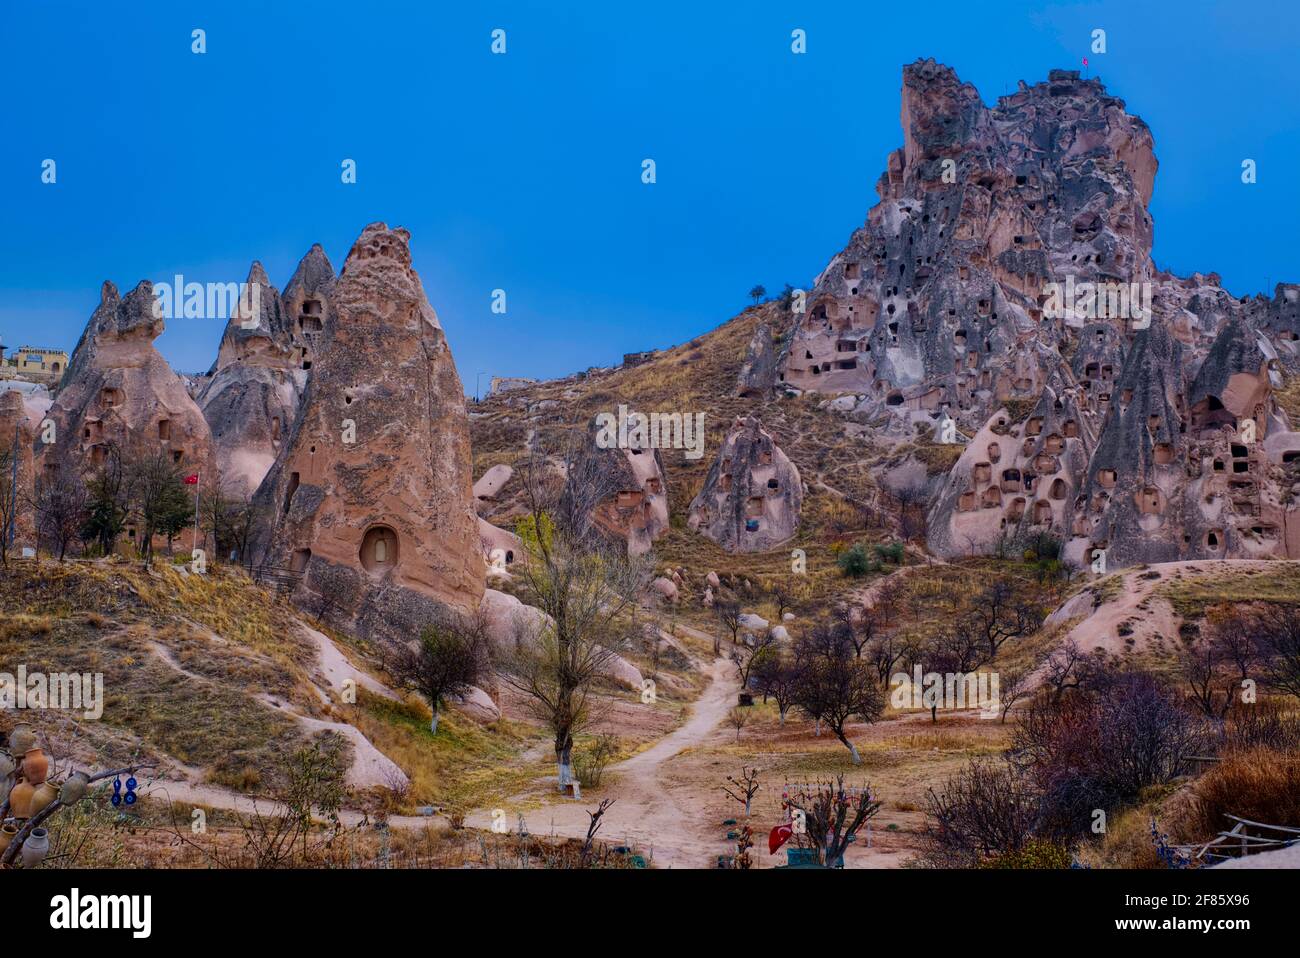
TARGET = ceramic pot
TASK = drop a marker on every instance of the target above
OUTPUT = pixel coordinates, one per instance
(35, 847)
(46, 792)
(21, 739)
(20, 799)
(7, 835)
(74, 789)
(36, 765)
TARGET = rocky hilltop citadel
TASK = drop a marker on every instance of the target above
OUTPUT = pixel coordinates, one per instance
(1003, 291)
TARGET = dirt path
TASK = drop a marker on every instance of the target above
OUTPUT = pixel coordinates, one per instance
(647, 812)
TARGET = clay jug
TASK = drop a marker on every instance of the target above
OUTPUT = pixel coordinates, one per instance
(7, 835)
(35, 847)
(36, 765)
(20, 799)
(46, 792)
(21, 739)
(74, 789)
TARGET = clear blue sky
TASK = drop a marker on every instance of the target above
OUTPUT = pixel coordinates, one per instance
(522, 171)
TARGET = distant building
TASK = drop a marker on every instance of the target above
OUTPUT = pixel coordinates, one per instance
(38, 361)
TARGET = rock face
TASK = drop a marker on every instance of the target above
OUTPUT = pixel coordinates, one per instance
(753, 495)
(20, 430)
(1004, 281)
(638, 511)
(758, 374)
(252, 393)
(119, 392)
(371, 490)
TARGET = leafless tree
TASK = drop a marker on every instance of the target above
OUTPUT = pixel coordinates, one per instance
(60, 508)
(450, 657)
(1276, 628)
(748, 659)
(833, 815)
(584, 591)
(743, 789)
(9, 499)
(835, 685)
(778, 679)
(1013, 685)
(727, 612)
(1000, 615)
(738, 718)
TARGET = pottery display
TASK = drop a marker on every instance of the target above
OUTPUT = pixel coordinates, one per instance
(36, 765)
(35, 847)
(74, 789)
(20, 799)
(21, 739)
(46, 793)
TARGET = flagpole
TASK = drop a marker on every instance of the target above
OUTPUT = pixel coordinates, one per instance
(198, 491)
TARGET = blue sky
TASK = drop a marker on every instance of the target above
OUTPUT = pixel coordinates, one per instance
(522, 171)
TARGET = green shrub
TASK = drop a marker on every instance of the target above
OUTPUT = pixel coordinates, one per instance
(854, 561)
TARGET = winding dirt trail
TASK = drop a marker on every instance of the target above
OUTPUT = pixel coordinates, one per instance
(646, 812)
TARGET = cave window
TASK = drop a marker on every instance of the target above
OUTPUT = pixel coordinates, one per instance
(379, 550)
(300, 559)
(176, 455)
(275, 427)
(1107, 477)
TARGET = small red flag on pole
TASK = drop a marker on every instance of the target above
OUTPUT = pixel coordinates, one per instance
(192, 480)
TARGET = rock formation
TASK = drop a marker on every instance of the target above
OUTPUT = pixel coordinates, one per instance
(253, 391)
(753, 494)
(638, 511)
(371, 490)
(119, 391)
(1005, 281)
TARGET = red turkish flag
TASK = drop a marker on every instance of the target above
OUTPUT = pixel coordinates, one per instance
(779, 836)
(1085, 61)
(192, 480)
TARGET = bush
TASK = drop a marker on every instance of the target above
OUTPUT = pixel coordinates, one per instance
(589, 764)
(986, 811)
(892, 552)
(854, 562)
(1101, 746)
(1035, 853)
(1260, 784)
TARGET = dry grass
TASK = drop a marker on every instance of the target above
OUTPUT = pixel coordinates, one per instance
(1192, 594)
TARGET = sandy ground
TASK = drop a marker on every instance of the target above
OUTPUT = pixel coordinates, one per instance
(646, 811)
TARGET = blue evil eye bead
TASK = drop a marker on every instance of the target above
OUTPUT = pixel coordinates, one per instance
(116, 799)
(117, 785)
(131, 783)
(130, 798)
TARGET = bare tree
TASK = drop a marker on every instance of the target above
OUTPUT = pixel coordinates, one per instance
(738, 718)
(583, 591)
(8, 495)
(833, 815)
(835, 685)
(1000, 615)
(727, 612)
(1013, 685)
(60, 508)
(748, 659)
(1276, 627)
(744, 788)
(450, 657)
(778, 679)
